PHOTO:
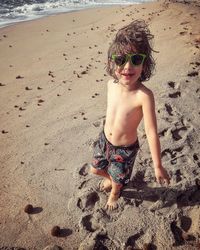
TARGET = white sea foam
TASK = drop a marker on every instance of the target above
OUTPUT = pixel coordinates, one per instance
(32, 11)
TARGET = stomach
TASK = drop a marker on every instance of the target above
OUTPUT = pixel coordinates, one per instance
(120, 136)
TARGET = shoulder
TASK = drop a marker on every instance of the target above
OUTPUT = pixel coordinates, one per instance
(110, 81)
(145, 91)
(146, 95)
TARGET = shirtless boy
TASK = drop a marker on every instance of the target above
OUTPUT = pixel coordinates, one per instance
(130, 63)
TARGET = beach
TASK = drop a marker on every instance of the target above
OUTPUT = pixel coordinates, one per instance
(53, 105)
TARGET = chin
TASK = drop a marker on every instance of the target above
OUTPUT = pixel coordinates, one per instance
(129, 82)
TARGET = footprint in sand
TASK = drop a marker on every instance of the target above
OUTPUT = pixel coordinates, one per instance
(188, 197)
(178, 175)
(194, 197)
(182, 129)
(89, 223)
(169, 109)
(84, 170)
(177, 232)
(197, 182)
(196, 159)
(171, 84)
(52, 247)
(130, 243)
(177, 133)
(185, 223)
(180, 230)
(163, 132)
(98, 240)
(87, 201)
(175, 94)
(172, 154)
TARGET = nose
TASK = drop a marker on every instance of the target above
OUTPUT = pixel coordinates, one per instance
(128, 64)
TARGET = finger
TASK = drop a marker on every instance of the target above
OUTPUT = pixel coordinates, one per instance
(159, 180)
(167, 180)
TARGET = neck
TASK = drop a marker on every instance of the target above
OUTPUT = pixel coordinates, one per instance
(128, 88)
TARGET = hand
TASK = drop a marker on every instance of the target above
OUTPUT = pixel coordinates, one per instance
(162, 176)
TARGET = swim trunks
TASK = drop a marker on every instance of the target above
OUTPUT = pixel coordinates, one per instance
(117, 161)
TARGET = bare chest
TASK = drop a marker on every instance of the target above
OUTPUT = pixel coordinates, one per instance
(123, 108)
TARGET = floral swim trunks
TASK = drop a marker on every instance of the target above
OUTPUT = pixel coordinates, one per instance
(117, 161)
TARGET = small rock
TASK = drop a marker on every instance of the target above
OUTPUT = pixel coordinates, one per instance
(55, 231)
(27, 88)
(4, 131)
(28, 209)
(19, 77)
(40, 100)
(194, 73)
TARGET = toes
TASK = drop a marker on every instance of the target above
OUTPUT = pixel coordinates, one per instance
(111, 207)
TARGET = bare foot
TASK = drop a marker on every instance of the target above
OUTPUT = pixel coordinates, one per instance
(112, 201)
(105, 185)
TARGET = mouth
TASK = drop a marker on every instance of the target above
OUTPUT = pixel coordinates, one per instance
(128, 74)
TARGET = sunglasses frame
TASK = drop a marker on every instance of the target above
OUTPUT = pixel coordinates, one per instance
(128, 58)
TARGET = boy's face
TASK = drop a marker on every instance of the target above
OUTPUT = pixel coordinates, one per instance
(128, 73)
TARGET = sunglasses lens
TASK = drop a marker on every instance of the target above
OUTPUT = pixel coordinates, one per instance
(137, 59)
(120, 60)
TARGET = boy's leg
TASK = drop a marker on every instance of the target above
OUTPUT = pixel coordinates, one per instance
(106, 184)
(114, 195)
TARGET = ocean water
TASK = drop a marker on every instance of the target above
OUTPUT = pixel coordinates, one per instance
(12, 11)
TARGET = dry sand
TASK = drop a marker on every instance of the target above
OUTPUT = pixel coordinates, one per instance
(53, 101)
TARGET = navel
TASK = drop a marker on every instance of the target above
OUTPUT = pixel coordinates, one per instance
(110, 134)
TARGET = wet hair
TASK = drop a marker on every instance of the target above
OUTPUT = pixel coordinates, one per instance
(137, 36)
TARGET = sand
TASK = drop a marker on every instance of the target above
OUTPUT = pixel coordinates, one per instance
(53, 103)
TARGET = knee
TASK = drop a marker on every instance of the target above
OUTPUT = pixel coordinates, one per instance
(93, 170)
(117, 186)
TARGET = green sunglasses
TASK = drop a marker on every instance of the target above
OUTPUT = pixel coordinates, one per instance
(136, 59)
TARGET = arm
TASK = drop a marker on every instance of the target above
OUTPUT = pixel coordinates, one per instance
(150, 124)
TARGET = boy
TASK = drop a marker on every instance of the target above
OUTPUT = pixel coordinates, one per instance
(130, 63)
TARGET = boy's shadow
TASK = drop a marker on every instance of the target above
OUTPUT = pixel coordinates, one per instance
(139, 191)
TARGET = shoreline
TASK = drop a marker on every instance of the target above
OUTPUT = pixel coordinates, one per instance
(53, 99)
(70, 11)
